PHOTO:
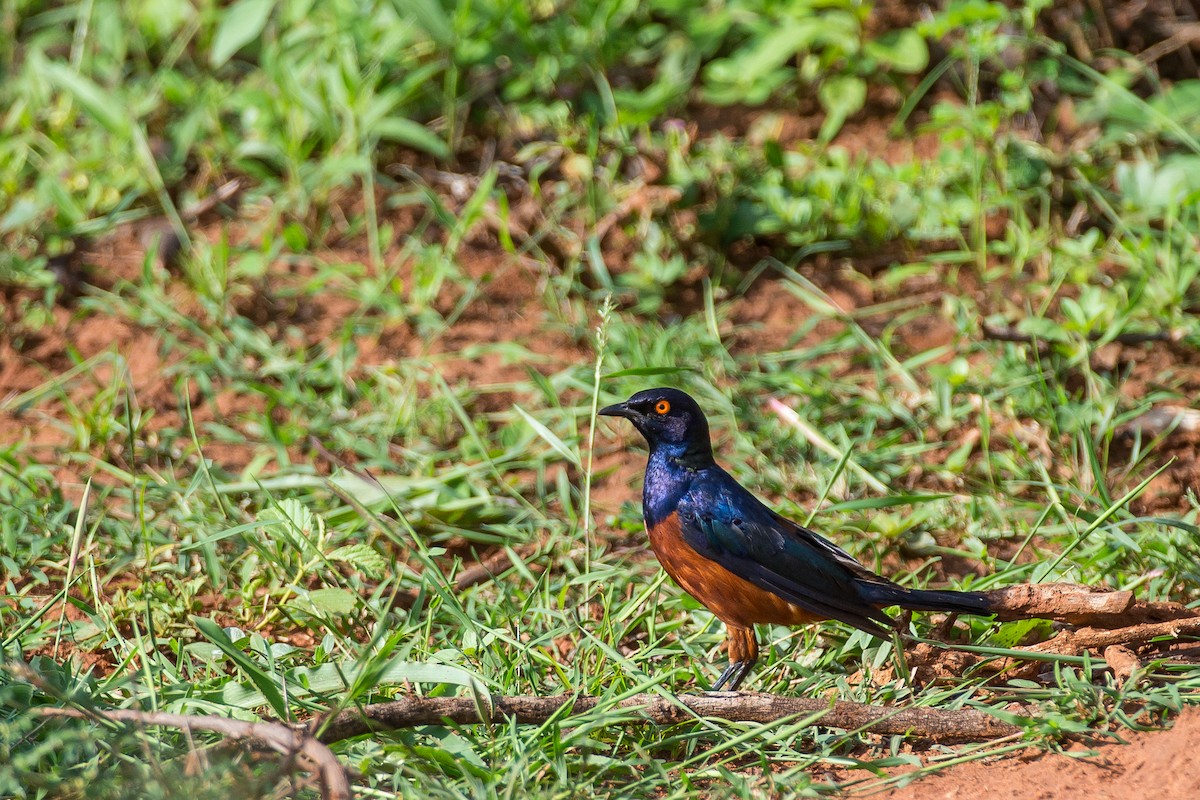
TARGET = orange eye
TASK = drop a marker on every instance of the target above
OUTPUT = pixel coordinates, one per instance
(662, 407)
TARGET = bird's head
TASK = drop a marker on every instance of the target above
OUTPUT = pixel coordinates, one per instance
(669, 419)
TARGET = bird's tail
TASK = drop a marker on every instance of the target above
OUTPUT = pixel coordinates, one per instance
(933, 600)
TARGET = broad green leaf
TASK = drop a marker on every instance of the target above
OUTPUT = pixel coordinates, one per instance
(840, 96)
(903, 50)
(242, 23)
(414, 134)
(1012, 634)
(296, 516)
(20, 214)
(1042, 328)
(454, 751)
(363, 558)
(252, 264)
(1181, 101)
(773, 50)
(333, 599)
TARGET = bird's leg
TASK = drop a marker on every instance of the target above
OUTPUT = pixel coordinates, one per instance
(743, 652)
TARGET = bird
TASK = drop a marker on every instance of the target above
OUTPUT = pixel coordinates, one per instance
(743, 561)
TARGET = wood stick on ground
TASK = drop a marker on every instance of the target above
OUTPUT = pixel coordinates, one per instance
(1080, 605)
(963, 725)
(288, 741)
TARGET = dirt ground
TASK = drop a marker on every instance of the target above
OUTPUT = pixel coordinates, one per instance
(1165, 763)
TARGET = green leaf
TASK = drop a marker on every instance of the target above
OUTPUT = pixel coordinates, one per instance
(902, 50)
(362, 557)
(456, 751)
(890, 501)
(541, 430)
(251, 265)
(414, 134)
(432, 18)
(295, 521)
(1012, 634)
(339, 677)
(242, 23)
(98, 103)
(472, 210)
(333, 600)
(367, 492)
(295, 237)
(840, 96)
(21, 213)
(763, 55)
(266, 684)
(1042, 328)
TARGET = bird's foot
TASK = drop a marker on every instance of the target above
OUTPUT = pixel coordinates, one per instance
(733, 675)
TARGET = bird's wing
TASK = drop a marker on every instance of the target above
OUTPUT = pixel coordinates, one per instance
(725, 523)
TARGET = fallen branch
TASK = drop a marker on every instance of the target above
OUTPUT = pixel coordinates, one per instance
(290, 742)
(1184, 35)
(942, 725)
(1081, 605)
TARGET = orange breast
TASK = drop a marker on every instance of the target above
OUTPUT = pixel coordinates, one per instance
(734, 600)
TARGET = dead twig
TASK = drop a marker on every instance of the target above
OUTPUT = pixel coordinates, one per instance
(496, 563)
(1009, 333)
(476, 574)
(288, 741)
(646, 199)
(961, 725)
(222, 194)
(1158, 421)
(1184, 35)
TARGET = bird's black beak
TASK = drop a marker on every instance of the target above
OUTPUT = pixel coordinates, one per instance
(617, 410)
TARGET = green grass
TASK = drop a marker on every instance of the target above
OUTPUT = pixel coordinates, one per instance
(412, 285)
